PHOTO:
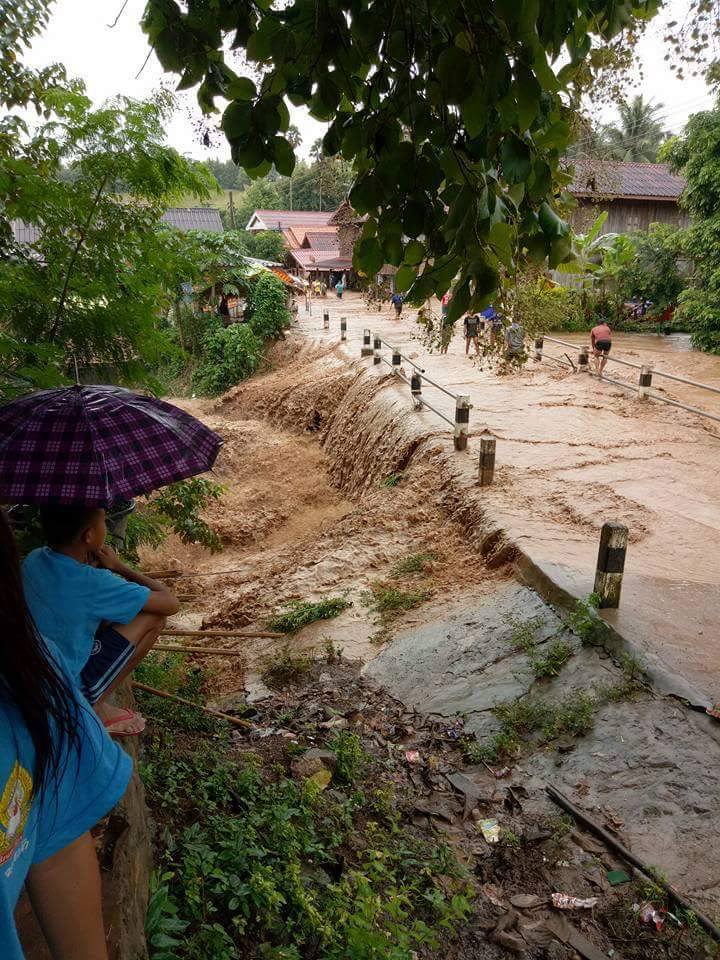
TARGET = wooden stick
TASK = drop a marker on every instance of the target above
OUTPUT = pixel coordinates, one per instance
(217, 633)
(212, 650)
(236, 721)
(163, 574)
(562, 801)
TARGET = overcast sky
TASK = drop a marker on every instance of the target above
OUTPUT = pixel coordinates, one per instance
(108, 60)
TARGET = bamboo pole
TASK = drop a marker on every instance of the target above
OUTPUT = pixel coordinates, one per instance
(235, 721)
(217, 633)
(562, 801)
(165, 647)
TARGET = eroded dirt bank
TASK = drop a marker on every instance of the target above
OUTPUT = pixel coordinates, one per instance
(332, 484)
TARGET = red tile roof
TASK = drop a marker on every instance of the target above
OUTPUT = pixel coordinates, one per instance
(611, 178)
(325, 240)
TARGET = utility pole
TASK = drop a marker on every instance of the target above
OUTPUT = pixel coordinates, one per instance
(232, 211)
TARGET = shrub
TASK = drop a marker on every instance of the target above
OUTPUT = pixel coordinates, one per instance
(541, 308)
(230, 354)
(266, 308)
(299, 613)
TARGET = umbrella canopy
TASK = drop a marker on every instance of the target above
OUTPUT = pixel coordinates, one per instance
(96, 446)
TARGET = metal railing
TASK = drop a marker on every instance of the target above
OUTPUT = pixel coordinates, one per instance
(646, 371)
(426, 378)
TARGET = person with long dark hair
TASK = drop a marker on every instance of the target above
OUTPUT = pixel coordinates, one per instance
(59, 774)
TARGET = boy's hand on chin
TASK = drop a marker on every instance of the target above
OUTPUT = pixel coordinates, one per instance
(107, 558)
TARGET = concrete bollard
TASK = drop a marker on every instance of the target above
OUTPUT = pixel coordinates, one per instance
(366, 350)
(486, 467)
(645, 382)
(583, 360)
(377, 349)
(416, 389)
(326, 320)
(343, 328)
(396, 360)
(462, 420)
(539, 342)
(611, 564)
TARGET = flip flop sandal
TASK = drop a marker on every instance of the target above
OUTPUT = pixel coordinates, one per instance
(126, 715)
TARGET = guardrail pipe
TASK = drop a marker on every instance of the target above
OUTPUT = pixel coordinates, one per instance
(462, 421)
(611, 564)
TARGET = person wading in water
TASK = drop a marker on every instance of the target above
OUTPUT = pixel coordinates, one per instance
(601, 340)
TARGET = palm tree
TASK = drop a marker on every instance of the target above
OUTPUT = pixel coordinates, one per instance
(639, 134)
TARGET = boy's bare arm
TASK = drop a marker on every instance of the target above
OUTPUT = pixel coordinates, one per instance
(161, 600)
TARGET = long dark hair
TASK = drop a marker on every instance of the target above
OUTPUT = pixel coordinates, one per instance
(29, 677)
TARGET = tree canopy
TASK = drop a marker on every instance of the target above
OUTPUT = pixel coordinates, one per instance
(638, 135)
(696, 154)
(452, 115)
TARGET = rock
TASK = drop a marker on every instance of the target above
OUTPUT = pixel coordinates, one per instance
(526, 901)
(256, 690)
(312, 762)
(557, 951)
(337, 723)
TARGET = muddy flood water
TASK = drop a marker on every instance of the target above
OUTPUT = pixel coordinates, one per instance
(335, 486)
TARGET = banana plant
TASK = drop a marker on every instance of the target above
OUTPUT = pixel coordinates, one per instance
(589, 249)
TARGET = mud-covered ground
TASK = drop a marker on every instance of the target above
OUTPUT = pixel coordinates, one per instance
(332, 486)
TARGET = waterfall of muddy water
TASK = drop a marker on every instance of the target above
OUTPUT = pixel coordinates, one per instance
(306, 514)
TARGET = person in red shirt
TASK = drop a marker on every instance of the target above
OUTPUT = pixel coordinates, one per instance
(601, 340)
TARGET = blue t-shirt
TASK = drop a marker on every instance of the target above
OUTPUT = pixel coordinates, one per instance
(69, 600)
(396, 299)
(91, 780)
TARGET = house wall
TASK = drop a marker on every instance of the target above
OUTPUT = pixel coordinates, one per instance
(625, 216)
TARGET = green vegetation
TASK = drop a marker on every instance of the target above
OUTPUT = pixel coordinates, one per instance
(266, 310)
(696, 154)
(299, 613)
(389, 601)
(229, 355)
(392, 480)
(285, 667)
(477, 178)
(415, 563)
(585, 622)
(171, 672)
(252, 863)
(547, 659)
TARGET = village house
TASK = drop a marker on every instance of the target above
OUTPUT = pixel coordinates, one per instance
(633, 194)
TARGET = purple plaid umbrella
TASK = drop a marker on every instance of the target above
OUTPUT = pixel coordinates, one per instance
(97, 446)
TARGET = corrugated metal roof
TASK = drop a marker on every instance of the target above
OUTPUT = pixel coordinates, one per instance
(320, 259)
(611, 178)
(194, 218)
(282, 219)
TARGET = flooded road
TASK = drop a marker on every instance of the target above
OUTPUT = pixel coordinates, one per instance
(673, 354)
(573, 453)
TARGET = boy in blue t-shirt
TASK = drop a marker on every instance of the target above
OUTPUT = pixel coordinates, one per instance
(397, 301)
(102, 615)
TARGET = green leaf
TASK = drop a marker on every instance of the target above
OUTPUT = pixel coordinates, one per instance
(413, 218)
(405, 278)
(368, 256)
(392, 249)
(241, 89)
(283, 156)
(560, 250)
(516, 159)
(527, 94)
(455, 68)
(552, 225)
(500, 239)
(414, 252)
(236, 120)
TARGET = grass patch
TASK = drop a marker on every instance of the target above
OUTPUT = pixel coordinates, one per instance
(527, 719)
(389, 601)
(552, 659)
(392, 480)
(415, 563)
(586, 623)
(284, 667)
(171, 672)
(251, 863)
(299, 613)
